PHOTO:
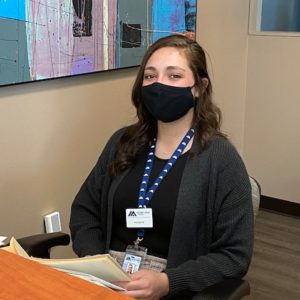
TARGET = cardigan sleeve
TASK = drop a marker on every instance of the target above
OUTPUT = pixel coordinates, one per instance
(86, 226)
(230, 248)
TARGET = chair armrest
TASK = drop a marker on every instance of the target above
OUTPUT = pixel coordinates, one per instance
(228, 289)
(39, 245)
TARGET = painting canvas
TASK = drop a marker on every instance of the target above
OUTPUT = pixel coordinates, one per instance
(43, 39)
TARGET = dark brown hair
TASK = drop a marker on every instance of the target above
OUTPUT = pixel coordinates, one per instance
(207, 116)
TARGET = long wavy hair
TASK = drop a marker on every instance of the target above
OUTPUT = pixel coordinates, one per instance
(207, 116)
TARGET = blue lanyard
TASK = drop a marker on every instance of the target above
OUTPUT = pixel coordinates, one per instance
(144, 195)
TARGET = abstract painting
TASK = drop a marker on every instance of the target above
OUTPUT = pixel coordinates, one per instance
(44, 39)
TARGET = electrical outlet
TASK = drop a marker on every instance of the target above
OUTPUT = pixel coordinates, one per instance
(52, 222)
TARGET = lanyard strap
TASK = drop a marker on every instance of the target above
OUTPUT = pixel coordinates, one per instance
(144, 195)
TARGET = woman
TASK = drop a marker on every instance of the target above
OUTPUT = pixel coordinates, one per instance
(175, 161)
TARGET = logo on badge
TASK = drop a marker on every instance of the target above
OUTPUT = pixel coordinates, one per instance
(132, 214)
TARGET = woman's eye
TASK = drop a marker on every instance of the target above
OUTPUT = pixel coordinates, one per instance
(149, 76)
(175, 76)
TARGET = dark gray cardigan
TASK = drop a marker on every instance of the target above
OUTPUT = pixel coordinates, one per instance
(212, 237)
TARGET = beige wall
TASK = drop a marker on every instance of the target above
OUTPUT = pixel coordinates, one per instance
(51, 134)
(222, 31)
(272, 138)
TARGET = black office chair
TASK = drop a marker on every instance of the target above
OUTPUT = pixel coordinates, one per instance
(229, 289)
(40, 245)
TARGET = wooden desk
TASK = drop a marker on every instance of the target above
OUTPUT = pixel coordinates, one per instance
(24, 279)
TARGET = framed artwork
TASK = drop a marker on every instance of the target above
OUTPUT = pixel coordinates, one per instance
(46, 39)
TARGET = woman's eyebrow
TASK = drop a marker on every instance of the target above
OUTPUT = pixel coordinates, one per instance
(150, 68)
(175, 68)
(168, 68)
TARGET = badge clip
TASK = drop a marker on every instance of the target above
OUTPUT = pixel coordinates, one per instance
(137, 242)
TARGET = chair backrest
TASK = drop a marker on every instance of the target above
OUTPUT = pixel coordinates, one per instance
(256, 192)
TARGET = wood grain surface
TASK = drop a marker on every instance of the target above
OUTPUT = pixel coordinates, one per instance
(23, 279)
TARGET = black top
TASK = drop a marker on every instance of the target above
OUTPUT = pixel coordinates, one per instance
(163, 204)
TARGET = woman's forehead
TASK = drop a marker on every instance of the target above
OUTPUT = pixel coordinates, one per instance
(170, 57)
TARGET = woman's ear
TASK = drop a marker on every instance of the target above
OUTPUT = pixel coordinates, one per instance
(205, 82)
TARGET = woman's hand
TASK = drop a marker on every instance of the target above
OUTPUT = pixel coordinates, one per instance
(146, 285)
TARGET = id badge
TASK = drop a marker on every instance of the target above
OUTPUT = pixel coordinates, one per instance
(133, 259)
(139, 218)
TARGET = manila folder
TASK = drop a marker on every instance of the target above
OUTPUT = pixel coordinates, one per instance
(102, 266)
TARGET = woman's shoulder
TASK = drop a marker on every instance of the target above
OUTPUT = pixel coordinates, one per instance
(112, 144)
(222, 151)
(220, 144)
(118, 133)
(116, 136)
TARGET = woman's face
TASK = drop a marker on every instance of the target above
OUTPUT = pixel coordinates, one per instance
(168, 66)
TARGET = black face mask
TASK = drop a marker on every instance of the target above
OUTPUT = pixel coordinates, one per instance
(167, 103)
